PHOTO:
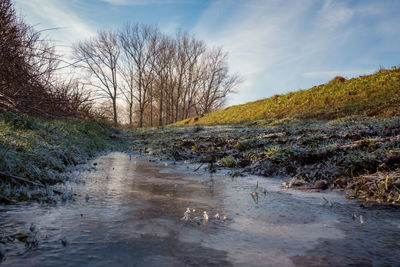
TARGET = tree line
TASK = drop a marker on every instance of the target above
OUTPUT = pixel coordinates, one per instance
(162, 79)
(136, 75)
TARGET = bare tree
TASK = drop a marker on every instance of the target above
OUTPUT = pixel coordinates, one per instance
(100, 56)
(166, 52)
(139, 44)
(216, 82)
(193, 51)
(128, 74)
(189, 79)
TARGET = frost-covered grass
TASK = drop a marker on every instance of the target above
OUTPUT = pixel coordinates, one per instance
(41, 150)
(339, 152)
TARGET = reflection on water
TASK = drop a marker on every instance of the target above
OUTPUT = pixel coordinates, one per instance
(133, 212)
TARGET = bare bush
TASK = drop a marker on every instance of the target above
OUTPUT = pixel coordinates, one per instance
(28, 65)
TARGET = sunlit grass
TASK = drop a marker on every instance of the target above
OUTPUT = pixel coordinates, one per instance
(372, 95)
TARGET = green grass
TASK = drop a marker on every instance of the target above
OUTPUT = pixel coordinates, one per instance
(41, 149)
(371, 95)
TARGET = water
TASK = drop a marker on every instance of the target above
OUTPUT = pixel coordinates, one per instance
(133, 212)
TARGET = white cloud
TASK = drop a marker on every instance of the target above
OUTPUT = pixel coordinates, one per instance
(65, 26)
(334, 14)
(261, 38)
(255, 35)
(49, 14)
(277, 48)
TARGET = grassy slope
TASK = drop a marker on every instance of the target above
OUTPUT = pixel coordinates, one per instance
(372, 95)
(41, 149)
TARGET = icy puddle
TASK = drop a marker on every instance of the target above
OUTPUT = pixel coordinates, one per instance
(129, 213)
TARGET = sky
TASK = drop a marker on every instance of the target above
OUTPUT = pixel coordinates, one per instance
(275, 46)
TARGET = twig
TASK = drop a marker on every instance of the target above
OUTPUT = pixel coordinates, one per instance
(21, 179)
(199, 167)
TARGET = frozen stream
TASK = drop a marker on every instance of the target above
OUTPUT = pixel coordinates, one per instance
(132, 217)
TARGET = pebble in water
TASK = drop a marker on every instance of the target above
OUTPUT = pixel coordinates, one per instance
(87, 197)
(361, 220)
(216, 216)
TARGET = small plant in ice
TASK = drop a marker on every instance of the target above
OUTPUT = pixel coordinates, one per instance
(205, 217)
(328, 202)
(254, 193)
(186, 215)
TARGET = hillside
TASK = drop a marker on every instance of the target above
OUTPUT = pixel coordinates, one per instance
(377, 94)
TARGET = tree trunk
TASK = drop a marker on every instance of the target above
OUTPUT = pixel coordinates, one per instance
(115, 112)
(130, 115)
(141, 116)
(160, 118)
(151, 108)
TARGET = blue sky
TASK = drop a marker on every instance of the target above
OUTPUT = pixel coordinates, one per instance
(277, 46)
